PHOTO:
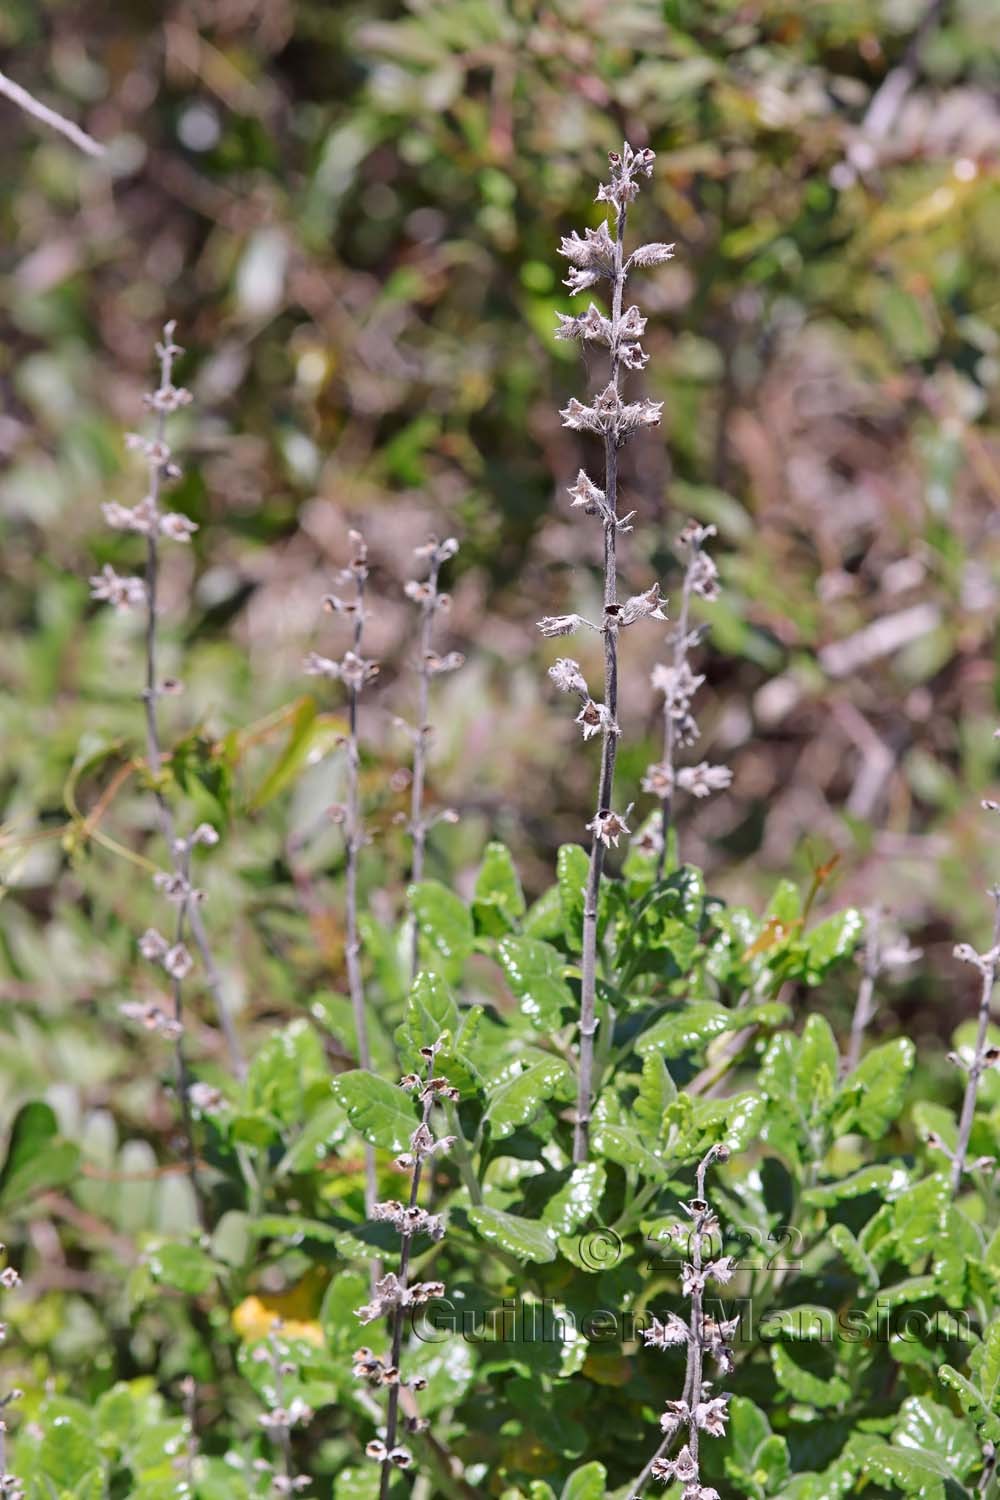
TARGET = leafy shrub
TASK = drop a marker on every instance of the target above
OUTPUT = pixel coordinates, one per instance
(649, 1196)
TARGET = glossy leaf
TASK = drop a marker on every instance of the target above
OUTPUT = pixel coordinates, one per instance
(534, 971)
(525, 1239)
(378, 1110)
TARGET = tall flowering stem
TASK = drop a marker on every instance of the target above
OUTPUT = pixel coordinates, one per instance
(148, 519)
(600, 256)
(431, 602)
(880, 955)
(678, 684)
(282, 1417)
(11, 1487)
(984, 1055)
(355, 672)
(698, 1411)
(395, 1294)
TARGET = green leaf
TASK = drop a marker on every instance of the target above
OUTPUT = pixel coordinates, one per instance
(433, 1017)
(663, 931)
(875, 1179)
(929, 1118)
(657, 1091)
(830, 941)
(690, 1026)
(786, 904)
(972, 1402)
(934, 1433)
(910, 1472)
(534, 971)
(524, 1238)
(741, 1120)
(871, 1096)
(985, 1364)
(758, 1459)
(68, 1450)
(805, 1323)
(520, 1096)
(37, 1159)
(577, 1200)
(624, 1145)
(804, 1385)
(844, 1241)
(326, 1128)
(430, 1012)
(919, 1216)
(183, 1267)
(544, 918)
(448, 1369)
(572, 870)
(346, 1292)
(902, 1293)
(586, 1483)
(816, 1063)
(357, 1484)
(379, 1111)
(282, 1071)
(309, 732)
(498, 900)
(444, 925)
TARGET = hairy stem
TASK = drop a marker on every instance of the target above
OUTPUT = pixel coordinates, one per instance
(355, 842)
(178, 851)
(392, 1407)
(694, 1370)
(680, 645)
(154, 750)
(418, 827)
(988, 968)
(609, 738)
(864, 1010)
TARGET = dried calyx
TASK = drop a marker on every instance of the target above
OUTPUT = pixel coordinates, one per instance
(163, 1015)
(355, 671)
(395, 1294)
(678, 683)
(699, 1409)
(597, 260)
(432, 603)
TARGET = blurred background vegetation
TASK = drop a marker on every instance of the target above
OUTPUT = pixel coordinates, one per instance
(352, 210)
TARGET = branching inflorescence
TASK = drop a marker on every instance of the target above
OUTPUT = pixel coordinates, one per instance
(431, 602)
(678, 684)
(595, 258)
(355, 672)
(704, 1337)
(125, 593)
(394, 1294)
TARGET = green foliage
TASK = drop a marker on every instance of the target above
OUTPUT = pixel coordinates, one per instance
(351, 209)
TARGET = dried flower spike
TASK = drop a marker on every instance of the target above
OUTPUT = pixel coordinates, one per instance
(426, 594)
(702, 1336)
(393, 1294)
(595, 258)
(355, 672)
